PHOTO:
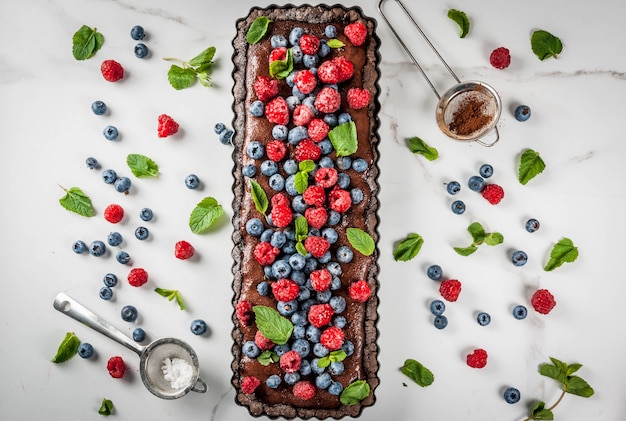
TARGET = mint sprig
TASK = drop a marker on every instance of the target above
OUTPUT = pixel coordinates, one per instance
(76, 201)
(479, 236)
(344, 138)
(268, 357)
(280, 69)
(415, 371)
(106, 407)
(86, 42)
(171, 294)
(67, 349)
(261, 203)
(204, 215)
(355, 392)
(530, 166)
(301, 233)
(258, 29)
(198, 68)
(272, 325)
(361, 241)
(408, 248)
(141, 166)
(301, 178)
(332, 357)
(462, 20)
(562, 252)
(335, 43)
(545, 45)
(418, 146)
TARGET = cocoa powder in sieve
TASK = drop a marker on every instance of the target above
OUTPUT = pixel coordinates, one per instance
(469, 117)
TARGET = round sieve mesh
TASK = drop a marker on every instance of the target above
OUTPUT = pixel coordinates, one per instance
(152, 361)
(468, 114)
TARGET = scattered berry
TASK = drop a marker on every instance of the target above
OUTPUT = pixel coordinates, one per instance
(281, 216)
(226, 136)
(483, 318)
(110, 132)
(309, 44)
(122, 184)
(106, 293)
(346, 68)
(111, 70)
(358, 98)
(486, 170)
(146, 214)
(339, 200)
(493, 193)
(129, 313)
(167, 126)
(440, 322)
(92, 163)
(192, 181)
(458, 207)
(316, 217)
(520, 312)
(85, 350)
(109, 176)
(113, 213)
(305, 81)
(98, 107)
(116, 367)
(434, 272)
(477, 359)
(137, 277)
(453, 187)
(511, 395)
(437, 307)
(500, 58)
(276, 150)
(318, 130)
(137, 33)
(142, 233)
(97, 248)
(183, 250)
(532, 225)
(307, 150)
(141, 50)
(519, 258)
(328, 72)
(543, 301)
(79, 247)
(122, 257)
(522, 113)
(249, 384)
(262, 342)
(476, 183)
(265, 254)
(110, 280)
(356, 33)
(302, 115)
(139, 335)
(360, 291)
(450, 289)
(198, 327)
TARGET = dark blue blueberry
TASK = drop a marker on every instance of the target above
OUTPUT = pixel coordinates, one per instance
(512, 395)
(281, 269)
(336, 368)
(281, 349)
(324, 49)
(226, 136)
(315, 367)
(269, 168)
(298, 332)
(522, 113)
(110, 280)
(295, 91)
(106, 293)
(344, 163)
(97, 248)
(344, 254)
(92, 163)
(331, 120)
(519, 258)
(359, 165)
(292, 101)
(320, 350)
(277, 182)
(198, 327)
(290, 186)
(141, 50)
(257, 108)
(356, 194)
(297, 135)
(297, 261)
(250, 349)
(335, 283)
(278, 41)
(109, 176)
(338, 303)
(348, 347)
(323, 297)
(263, 288)
(129, 313)
(192, 181)
(273, 381)
(219, 128)
(520, 312)
(287, 308)
(278, 239)
(254, 227)
(325, 258)
(299, 318)
(323, 381)
(79, 247)
(343, 180)
(313, 334)
(476, 183)
(292, 378)
(280, 132)
(330, 234)
(249, 171)
(305, 368)
(98, 107)
(289, 248)
(310, 60)
(290, 166)
(146, 214)
(434, 272)
(255, 149)
(532, 225)
(114, 239)
(110, 132)
(303, 294)
(326, 162)
(296, 54)
(483, 318)
(453, 187)
(298, 204)
(122, 184)
(139, 335)
(85, 350)
(437, 307)
(440, 321)
(344, 118)
(295, 34)
(333, 217)
(485, 171)
(335, 388)
(137, 33)
(302, 347)
(309, 101)
(458, 207)
(122, 257)
(330, 31)
(340, 322)
(142, 233)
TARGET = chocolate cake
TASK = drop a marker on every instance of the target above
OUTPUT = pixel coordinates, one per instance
(305, 211)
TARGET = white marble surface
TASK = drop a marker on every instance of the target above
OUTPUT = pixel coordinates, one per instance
(577, 125)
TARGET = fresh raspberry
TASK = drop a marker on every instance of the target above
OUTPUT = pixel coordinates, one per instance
(183, 250)
(450, 289)
(265, 88)
(320, 280)
(309, 44)
(137, 277)
(114, 213)
(332, 338)
(116, 367)
(285, 290)
(279, 199)
(339, 200)
(304, 390)
(302, 115)
(276, 150)
(500, 58)
(345, 66)
(307, 149)
(314, 196)
(316, 217)
(317, 246)
(326, 177)
(493, 193)
(166, 126)
(318, 129)
(281, 216)
(265, 253)
(356, 33)
(543, 301)
(320, 314)
(244, 312)
(279, 53)
(112, 70)
(360, 291)
(249, 384)
(327, 101)
(477, 359)
(328, 72)
(305, 81)
(262, 342)
(277, 111)
(358, 98)
(290, 361)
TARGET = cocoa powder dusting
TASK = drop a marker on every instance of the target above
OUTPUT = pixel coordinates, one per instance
(469, 117)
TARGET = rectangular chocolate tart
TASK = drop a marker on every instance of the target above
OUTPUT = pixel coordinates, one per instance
(305, 211)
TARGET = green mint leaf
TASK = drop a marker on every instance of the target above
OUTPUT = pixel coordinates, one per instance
(203, 59)
(418, 146)
(343, 138)
(465, 251)
(280, 69)
(579, 387)
(417, 372)
(268, 357)
(361, 241)
(180, 78)
(572, 368)
(335, 43)
(408, 248)
(355, 392)
(142, 166)
(76, 201)
(257, 29)
(562, 252)
(337, 356)
(477, 232)
(301, 181)
(301, 228)
(323, 362)
(545, 45)
(259, 197)
(556, 371)
(494, 238)
(301, 249)
(204, 214)
(171, 294)
(106, 407)
(462, 20)
(272, 325)
(530, 166)
(539, 412)
(306, 166)
(67, 349)
(86, 42)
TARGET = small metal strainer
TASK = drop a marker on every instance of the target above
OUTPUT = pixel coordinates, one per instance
(466, 112)
(151, 356)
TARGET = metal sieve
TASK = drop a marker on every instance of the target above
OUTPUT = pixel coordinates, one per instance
(477, 103)
(151, 356)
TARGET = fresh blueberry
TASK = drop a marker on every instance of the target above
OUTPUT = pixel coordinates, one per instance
(485, 171)
(335, 388)
(304, 294)
(302, 347)
(110, 132)
(219, 128)
(198, 327)
(458, 207)
(97, 248)
(338, 303)
(110, 280)
(434, 272)
(278, 41)
(330, 31)
(441, 321)
(356, 194)
(296, 54)
(330, 234)
(326, 162)
(336, 368)
(281, 349)
(142, 233)
(453, 187)
(280, 132)
(313, 334)
(343, 180)
(290, 186)
(323, 381)
(519, 258)
(255, 149)
(520, 312)
(292, 101)
(437, 307)
(146, 214)
(344, 254)
(359, 165)
(299, 318)
(129, 313)
(192, 181)
(98, 107)
(122, 184)
(295, 34)
(324, 297)
(298, 204)
(106, 293)
(476, 183)
(257, 108)
(333, 217)
(141, 50)
(522, 113)
(344, 163)
(324, 49)
(114, 239)
(348, 347)
(532, 225)
(289, 248)
(277, 182)
(79, 247)
(292, 378)
(254, 227)
(305, 367)
(335, 283)
(92, 163)
(249, 171)
(295, 91)
(290, 166)
(297, 262)
(109, 176)
(85, 350)
(122, 257)
(326, 146)
(287, 308)
(139, 335)
(278, 239)
(297, 135)
(226, 136)
(137, 33)
(273, 381)
(512, 395)
(269, 168)
(315, 367)
(344, 118)
(483, 318)
(281, 269)
(251, 349)
(310, 60)
(263, 288)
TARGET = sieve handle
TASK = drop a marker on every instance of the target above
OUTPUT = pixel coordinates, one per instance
(480, 142)
(202, 388)
(77, 311)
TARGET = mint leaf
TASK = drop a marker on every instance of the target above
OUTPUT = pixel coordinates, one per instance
(301, 181)
(259, 197)
(355, 392)
(417, 145)
(142, 166)
(301, 228)
(461, 19)
(272, 325)
(280, 69)
(67, 349)
(171, 294)
(86, 42)
(268, 357)
(562, 252)
(344, 139)
(556, 371)
(465, 251)
(579, 387)
(106, 408)
(332, 357)
(335, 43)
(180, 78)
(361, 241)
(258, 29)
(530, 166)
(301, 249)
(198, 67)
(408, 248)
(76, 201)
(477, 232)
(545, 45)
(494, 238)
(306, 166)
(539, 412)
(204, 214)
(417, 372)
(204, 60)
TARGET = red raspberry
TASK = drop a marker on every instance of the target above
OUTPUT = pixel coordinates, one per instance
(477, 359)
(320, 280)
(167, 126)
(244, 312)
(304, 390)
(317, 246)
(285, 290)
(262, 342)
(277, 111)
(309, 44)
(493, 193)
(265, 253)
(450, 289)
(183, 250)
(320, 314)
(112, 70)
(500, 58)
(249, 384)
(358, 98)
(360, 291)
(305, 81)
(281, 216)
(114, 213)
(265, 88)
(326, 177)
(116, 367)
(318, 129)
(332, 338)
(302, 115)
(279, 53)
(276, 150)
(339, 200)
(328, 72)
(543, 301)
(307, 149)
(290, 361)
(356, 33)
(314, 196)
(327, 101)
(279, 199)
(345, 66)
(316, 217)
(137, 277)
